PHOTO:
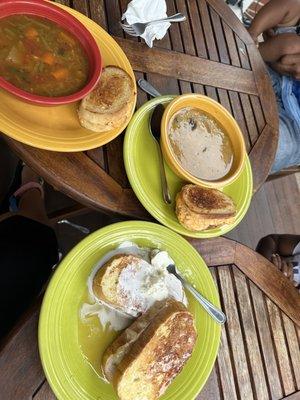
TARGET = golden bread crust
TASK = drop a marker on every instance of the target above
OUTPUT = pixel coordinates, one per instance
(207, 201)
(198, 209)
(157, 355)
(109, 105)
(105, 281)
(120, 346)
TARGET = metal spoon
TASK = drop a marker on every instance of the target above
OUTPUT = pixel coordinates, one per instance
(154, 127)
(148, 88)
(80, 228)
(212, 310)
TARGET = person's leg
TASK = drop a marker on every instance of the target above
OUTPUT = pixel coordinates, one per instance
(8, 164)
(278, 249)
(31, 204)
(28, 252)
(288, 148)
(283, 245)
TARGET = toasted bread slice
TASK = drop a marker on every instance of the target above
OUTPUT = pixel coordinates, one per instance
(109, 105)
(198, 209)
(103, 122)
(158, 354)
(120, 347)
(105, 282)
(208, 201)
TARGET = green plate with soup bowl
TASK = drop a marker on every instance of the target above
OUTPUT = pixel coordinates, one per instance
(142, 168)
(71, 349)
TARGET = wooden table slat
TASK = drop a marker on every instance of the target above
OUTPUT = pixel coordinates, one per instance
(237, 346)
(293, 346)
(265, 338)
(224, 99)
(219, 37)
(210, 91)
(186, 67)
(263, 144)
(257, 110)
(226, 374)
(197, 29)
(231, 19)
(113, 14)
(249, 117)
(208, 33)
(250, 335)
(243, 53)
(174, 31)
(231, 43)
(281, 349)
(44, 393)
(185, 29)
(99, 156)
(81, 6)
(198, 88)
(239, 116)
(98, 14)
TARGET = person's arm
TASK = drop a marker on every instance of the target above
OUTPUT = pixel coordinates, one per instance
(274, 48)
(288, 65)
(269, 16)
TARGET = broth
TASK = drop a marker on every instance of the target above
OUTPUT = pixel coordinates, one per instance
(200, 144)
(40, 57)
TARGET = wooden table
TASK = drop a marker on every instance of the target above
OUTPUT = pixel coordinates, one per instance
(210, 53)
(259, 356)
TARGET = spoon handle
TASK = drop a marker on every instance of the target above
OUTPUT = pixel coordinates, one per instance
(164, 183)
(212, 310)
(148, 88)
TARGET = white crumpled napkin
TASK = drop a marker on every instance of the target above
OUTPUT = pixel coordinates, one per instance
(146, 11)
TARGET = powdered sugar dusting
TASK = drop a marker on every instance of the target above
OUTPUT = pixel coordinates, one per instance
(140, 285)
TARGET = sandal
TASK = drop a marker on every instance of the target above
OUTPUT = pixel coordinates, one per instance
(288, 268)
(15, 198)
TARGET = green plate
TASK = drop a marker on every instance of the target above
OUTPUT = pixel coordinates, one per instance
(71, 350)
(142, 167)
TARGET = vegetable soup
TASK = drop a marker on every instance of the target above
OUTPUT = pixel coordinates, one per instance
(40, 57)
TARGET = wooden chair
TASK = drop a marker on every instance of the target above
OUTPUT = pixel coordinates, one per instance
(284, 172)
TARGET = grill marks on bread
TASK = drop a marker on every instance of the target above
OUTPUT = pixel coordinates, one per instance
(200, 208)
(110, 104)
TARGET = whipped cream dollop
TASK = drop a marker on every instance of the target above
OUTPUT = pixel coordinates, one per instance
(140, 285)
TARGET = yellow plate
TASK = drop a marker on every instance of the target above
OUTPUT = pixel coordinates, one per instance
(57, 128)
(71, 350)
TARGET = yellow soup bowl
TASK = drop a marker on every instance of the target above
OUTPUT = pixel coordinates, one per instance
(225, 120)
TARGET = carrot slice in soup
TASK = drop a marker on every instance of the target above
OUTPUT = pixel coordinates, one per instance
(48, 58)
(60, 73)
(31, 33)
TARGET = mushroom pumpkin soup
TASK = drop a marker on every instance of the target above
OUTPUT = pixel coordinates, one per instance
(40, 57)
(200, 144)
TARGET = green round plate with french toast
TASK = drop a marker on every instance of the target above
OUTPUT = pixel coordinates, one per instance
(142, 168)
(71, 349)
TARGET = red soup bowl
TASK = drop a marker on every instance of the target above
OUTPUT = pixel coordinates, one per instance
(44, 9)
